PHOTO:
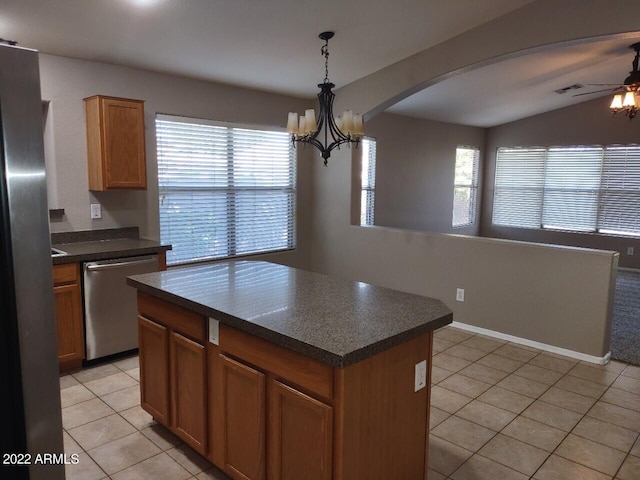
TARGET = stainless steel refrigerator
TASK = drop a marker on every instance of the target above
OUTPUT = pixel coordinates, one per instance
(29, 382)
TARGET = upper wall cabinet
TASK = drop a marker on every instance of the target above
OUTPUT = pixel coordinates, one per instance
(115, 143)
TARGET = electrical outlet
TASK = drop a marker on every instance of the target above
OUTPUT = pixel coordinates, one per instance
(460, 294)
(630, 250)
(420, 375)
(96, 211)
(214, 331)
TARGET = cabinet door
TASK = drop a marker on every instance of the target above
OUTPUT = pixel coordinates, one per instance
(243, 413)
(124, 153)
(68, 309)
(188, 391)
(153, 342)
(300, 435)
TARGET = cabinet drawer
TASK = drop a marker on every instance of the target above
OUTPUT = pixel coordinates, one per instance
(286, 364)
(65, 274)
(176, 318)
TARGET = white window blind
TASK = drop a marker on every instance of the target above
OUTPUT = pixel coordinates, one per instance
(620, 195)
(224, 190)
(571, 184)
(368, 176)
(465, 190)
(582, 188)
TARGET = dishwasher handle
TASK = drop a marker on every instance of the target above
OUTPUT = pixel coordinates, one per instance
(109, 266)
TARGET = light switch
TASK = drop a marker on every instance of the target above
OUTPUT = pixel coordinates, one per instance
(96, 211)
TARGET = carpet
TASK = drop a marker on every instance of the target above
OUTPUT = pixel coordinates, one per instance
(625, 329)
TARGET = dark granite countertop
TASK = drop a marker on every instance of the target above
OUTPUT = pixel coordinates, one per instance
(335, 321)
(106, 249)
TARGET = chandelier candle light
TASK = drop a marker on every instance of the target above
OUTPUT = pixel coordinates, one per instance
(307, 128)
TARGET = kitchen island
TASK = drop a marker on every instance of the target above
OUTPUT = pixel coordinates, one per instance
(279, 373)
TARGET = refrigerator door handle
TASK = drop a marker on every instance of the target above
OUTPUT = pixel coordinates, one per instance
(109, 266)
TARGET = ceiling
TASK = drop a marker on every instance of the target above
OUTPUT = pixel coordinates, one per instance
(523, 86)
(273, 46)
(270, 45)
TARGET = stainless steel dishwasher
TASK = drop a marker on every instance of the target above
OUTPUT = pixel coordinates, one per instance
(110, 306)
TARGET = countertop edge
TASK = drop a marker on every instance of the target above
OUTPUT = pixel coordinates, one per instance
(106, 255)
(331, 359)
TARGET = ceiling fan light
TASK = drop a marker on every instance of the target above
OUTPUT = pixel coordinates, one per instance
(616, 103)
(629, 99)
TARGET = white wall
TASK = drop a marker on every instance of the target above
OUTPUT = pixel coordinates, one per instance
(65, 82)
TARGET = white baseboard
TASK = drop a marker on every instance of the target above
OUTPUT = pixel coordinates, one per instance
(627, 269)
(530, 343)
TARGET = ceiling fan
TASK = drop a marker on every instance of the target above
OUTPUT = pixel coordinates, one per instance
(625, 93)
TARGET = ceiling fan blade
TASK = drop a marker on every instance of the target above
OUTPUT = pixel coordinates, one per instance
(596, 91)
(605, 84)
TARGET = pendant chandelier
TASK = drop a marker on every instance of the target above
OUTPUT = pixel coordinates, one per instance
(324, 131)
(629, 102)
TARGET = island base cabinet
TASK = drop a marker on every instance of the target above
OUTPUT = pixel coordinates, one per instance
(364, 421)
(173, 369)
(260, 411)
(241, 420)
(381, 420)
(188, 391)
(250, 407)
(153, 344)
(300, 435)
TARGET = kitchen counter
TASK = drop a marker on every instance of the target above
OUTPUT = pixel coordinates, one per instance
(107, 249)
(334, 321)
(103, 244)
(333, 376)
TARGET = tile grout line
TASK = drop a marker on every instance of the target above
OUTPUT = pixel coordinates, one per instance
(564, 374)
(577, 423)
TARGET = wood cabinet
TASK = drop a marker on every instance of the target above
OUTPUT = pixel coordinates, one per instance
(260, 411)
(173, 369)
(242, 419)
(153, 344)
(297, 419)
(115, 143)
(188, 391)
(257, 399)
(68, 315)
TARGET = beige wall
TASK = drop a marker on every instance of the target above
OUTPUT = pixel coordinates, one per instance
(415, 169)
(559, 296)
(588, 123)
(556, 295)
(65, 82)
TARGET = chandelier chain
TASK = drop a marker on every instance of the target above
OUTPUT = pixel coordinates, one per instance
(325, 52)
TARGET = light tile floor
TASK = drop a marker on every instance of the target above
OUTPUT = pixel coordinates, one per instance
(505, 411)
(499, 411)
(114, 437)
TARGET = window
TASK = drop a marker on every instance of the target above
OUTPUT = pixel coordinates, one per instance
(571, 183)
(225, 190)
(620, 191)
(584, 189)
(368, 176)
(465, 188)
